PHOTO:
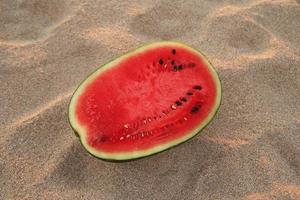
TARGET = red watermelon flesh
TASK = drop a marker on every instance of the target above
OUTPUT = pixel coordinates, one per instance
(146, 101)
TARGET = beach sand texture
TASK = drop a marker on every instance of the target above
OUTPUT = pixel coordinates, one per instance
(250, 151)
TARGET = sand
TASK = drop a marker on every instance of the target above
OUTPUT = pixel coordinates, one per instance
(250, 151)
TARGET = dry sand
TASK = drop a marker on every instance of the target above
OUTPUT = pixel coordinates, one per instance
(250, 151)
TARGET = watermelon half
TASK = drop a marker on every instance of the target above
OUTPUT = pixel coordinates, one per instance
(146, 101)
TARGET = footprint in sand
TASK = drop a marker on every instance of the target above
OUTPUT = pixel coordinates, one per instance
(248, 37)
(27, 21)
(252, 30)
(171, 19)
(282, 143)
(279, 18)
(245, 37)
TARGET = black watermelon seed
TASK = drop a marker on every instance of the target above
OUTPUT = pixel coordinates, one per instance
(175, 68)
(173, 51)
(173, 62)
(194, 109)
(197, 87)
(161, 62)
(189, 93)
(191, 64)
(178, 103)
(183, 99)
(180, 67)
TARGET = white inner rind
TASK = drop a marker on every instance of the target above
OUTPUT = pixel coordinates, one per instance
(81, 130)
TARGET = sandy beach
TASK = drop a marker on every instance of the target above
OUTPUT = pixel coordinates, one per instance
(250, 151)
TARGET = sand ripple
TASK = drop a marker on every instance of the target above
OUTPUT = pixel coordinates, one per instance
(27, 21)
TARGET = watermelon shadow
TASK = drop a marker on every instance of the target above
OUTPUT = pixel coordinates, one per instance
(177, 168)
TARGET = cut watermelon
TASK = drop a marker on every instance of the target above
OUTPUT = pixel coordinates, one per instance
(146, 101)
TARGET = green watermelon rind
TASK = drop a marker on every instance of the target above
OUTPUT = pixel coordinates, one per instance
(121, 156)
